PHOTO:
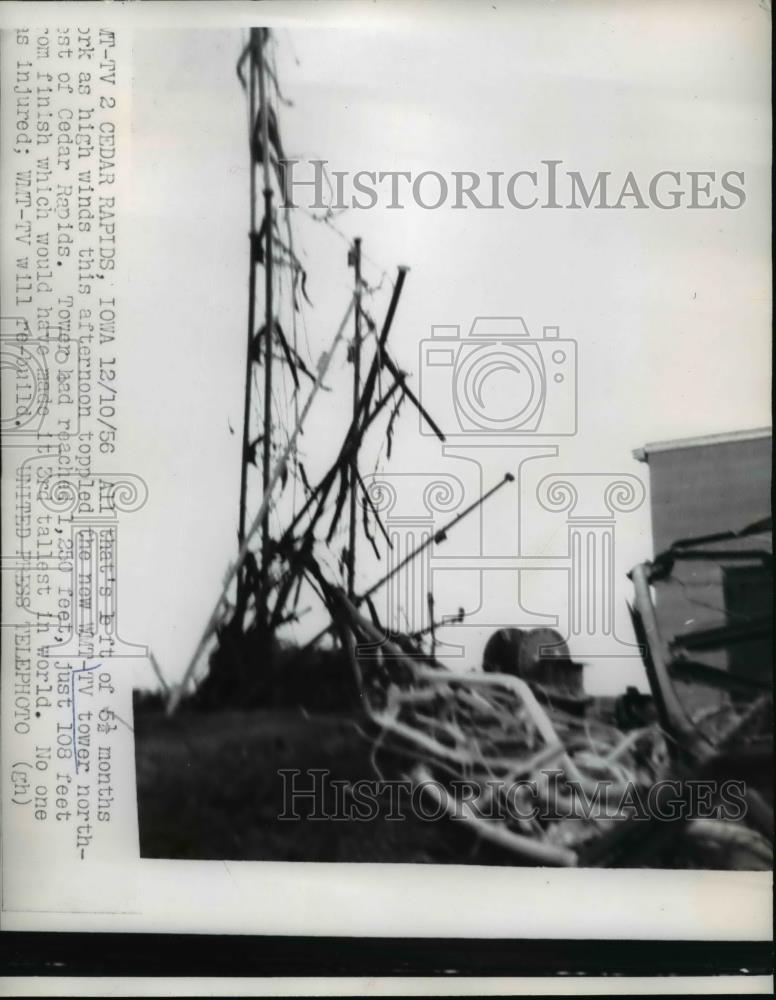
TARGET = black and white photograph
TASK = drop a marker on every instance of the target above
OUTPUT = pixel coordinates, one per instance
(387, 467)
(474, 613)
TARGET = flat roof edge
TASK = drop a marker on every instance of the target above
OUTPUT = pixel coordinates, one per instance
(643, 453)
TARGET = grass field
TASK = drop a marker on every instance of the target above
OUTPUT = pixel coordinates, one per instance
(209, 788)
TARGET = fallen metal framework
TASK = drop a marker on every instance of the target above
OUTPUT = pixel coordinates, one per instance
(490, 732)
(490, 735)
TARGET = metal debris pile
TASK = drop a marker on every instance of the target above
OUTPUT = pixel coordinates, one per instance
(548, 785)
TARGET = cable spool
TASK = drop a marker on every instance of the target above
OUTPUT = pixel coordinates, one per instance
(544, 643)
(502, 652)
(545, 659)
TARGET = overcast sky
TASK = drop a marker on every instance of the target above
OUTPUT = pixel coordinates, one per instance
(670, 310)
